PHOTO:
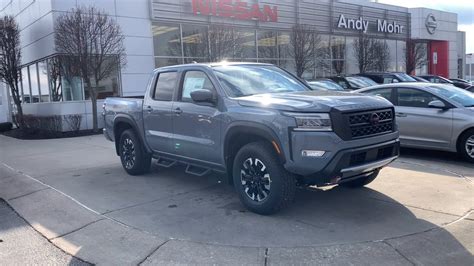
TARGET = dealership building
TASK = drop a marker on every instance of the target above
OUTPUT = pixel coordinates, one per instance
(164, 32)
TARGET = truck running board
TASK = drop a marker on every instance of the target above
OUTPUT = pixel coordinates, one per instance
(197, 170)
(165, 162)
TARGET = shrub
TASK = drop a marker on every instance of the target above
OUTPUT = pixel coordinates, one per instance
(5, 126)
(52, 124)
(73, 122)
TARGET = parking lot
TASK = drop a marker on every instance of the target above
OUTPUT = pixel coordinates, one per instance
(75, 193)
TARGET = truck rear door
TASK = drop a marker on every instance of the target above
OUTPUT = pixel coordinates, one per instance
(157, 112)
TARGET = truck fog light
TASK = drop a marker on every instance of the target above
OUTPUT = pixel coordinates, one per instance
(309, 153)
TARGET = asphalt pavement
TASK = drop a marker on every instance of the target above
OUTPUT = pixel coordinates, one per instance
(75, 194)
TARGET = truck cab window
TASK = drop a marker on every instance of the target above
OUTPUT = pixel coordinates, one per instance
(165, 86)
(195, 80)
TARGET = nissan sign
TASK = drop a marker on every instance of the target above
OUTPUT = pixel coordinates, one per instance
(431, 24)
(235, 9)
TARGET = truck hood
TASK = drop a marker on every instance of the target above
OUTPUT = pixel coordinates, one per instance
(314, 101)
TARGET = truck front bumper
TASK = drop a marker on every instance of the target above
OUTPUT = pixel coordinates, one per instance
(342, 160)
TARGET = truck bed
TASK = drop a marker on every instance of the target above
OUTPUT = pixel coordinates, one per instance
(116, 108)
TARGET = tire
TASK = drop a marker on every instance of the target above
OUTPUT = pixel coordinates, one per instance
(271, 187)
(134, 159)
(360, 182)
(466, 146)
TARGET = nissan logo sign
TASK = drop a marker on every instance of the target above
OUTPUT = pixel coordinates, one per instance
(374, 119)
(431, 23)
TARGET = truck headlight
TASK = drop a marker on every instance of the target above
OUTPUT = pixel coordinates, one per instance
(312, 121)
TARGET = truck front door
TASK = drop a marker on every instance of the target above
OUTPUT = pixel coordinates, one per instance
(197, 131)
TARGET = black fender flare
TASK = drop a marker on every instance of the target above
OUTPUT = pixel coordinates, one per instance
(253, 128)
(133, 124)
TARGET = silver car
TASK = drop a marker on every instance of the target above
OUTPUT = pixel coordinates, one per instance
(431, 116)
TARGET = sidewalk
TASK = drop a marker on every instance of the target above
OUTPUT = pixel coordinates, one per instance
(75, 193)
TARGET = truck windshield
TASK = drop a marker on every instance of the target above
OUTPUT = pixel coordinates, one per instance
(245, 80)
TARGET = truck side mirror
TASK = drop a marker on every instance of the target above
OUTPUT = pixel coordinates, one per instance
(203, 95)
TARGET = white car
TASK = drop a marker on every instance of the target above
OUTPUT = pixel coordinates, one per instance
(431, 116)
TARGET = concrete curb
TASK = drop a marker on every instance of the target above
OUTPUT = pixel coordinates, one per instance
(95, 238)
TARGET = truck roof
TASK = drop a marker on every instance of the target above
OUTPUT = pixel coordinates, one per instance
(223, 63)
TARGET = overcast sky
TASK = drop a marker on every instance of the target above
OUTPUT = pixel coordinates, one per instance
(464, 9)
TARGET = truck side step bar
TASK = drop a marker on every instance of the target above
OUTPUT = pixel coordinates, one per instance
(165, 162)
(197, 170)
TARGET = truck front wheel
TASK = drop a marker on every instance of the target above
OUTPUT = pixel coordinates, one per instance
(134, 159)
(263, 185)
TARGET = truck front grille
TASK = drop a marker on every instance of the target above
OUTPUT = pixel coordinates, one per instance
(370, 123)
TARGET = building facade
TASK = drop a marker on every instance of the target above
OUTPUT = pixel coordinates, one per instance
(163, 32)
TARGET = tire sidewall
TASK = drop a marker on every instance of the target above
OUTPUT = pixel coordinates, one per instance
(274, 169)
(462, 145)
(138, 167)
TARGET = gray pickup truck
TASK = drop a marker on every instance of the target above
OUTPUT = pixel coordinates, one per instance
(258, 124)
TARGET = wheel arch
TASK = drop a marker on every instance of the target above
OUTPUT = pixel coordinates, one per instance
(458, 137)
(122, 123)
(240, 134)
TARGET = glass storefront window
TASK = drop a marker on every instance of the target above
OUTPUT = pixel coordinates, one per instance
(284, 45)
(391, 45)
(35, 89)
(25, 85)
(221, 42)
(163, 61)
(43, 81)
(323, 56)
(267, 44)
(195, 41)
(401, 48)
(351, 58)
(245, 44)
(54, 73)
(166, 39)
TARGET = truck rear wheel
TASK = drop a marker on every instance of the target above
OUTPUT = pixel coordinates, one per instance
(263, 185)
(134, 159)
(360, 182)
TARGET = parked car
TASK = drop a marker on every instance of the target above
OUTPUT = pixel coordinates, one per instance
(442, 80)
(388, 77)
(432, 116)
(263, 127)
(461, 80)
(353, 82)
(471, 88)
(325, 84)
(419, 79)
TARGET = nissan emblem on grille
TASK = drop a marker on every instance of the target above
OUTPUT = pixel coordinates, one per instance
(374, 119)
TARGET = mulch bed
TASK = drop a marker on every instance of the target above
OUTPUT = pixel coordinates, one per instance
(32, 134)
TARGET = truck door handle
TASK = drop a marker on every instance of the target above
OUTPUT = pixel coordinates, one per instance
(401, 115)
(149, 109)
(178, 111)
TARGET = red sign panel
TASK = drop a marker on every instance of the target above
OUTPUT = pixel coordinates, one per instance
(235, 9)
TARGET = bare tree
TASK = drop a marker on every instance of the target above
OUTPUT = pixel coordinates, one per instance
(363, 53)
(415, 55)
(371, 54)
(10, 60)
(222, 42)
(93, 45)
(54, 69)
(304, 41)
(381, 55)
(337, 51)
